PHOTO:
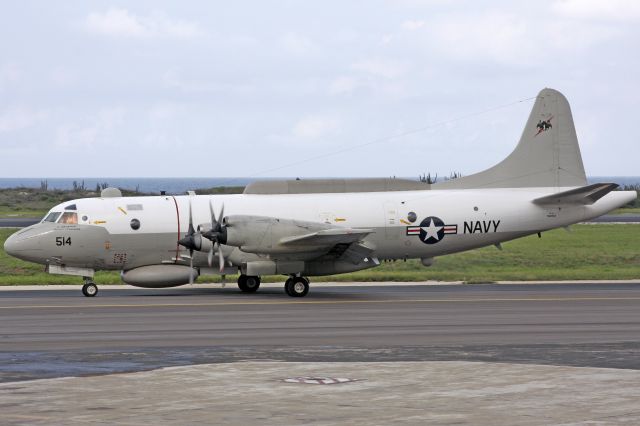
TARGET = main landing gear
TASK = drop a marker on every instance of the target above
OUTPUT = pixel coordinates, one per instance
(89, 289)
(248, 283)
(296, 286)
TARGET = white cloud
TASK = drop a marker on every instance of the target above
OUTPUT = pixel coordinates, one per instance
(296, 43)
(616, 10)
(381, 68)
(512, 39)
(17, 118)
(412, 25)
(163, 111)
(387, 39)
(121, 23)
(315, 127)
(499, 36)
(343, 85)
(98, 130)
(9, 74)
(173, 79)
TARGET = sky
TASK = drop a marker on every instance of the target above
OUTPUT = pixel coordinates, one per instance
(308, 88)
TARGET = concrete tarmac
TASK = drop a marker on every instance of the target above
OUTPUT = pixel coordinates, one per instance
(384, 393)
(53, 333)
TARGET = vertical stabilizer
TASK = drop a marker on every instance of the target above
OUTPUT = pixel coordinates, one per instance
(547, 155)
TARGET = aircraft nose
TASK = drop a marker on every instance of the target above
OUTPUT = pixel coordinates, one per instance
(11, 244)
(25, 244)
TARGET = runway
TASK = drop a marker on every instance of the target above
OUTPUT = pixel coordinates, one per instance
(52, 333)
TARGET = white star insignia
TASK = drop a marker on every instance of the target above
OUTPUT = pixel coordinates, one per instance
(431, 231)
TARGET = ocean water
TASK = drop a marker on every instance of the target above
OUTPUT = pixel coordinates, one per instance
(181, 185)
(171, 185)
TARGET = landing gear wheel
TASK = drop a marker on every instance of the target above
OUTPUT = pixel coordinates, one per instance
(287, 284)
(297, 287)
(248, 284)
(90, 289)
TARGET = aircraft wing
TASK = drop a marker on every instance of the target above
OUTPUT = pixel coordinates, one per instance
(584, 195)
(336, 243)
(327, 237)
(293, 238)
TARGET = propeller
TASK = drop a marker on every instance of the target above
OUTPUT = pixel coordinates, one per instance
(190, 242)
(217, 235)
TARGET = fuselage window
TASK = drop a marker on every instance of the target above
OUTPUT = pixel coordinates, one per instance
(69, 218)
(52, 217)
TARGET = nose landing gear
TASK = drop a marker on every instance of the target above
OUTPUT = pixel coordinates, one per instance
(89, 289)
(296, 286)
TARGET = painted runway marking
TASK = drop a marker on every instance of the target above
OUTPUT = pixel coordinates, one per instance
(322, 302)
(320, 380)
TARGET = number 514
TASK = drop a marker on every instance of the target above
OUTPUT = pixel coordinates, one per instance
(62, 241)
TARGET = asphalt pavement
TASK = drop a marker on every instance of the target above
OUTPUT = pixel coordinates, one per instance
(53, 333)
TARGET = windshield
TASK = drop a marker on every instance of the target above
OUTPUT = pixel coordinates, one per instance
(69, 218)
(52, 217)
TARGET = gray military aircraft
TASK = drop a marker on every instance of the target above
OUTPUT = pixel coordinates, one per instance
(302, 228)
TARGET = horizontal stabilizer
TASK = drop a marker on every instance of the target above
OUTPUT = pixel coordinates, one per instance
(328, 237)
(584, 195)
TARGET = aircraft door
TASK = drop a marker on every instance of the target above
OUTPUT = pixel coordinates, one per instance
(391, 223)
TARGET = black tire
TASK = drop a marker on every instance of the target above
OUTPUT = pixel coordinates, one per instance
(297, 287)
(248, 284)
(90, 289)
(286, 286)
(241, 282)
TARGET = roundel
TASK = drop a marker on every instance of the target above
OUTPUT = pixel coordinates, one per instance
(431, 230)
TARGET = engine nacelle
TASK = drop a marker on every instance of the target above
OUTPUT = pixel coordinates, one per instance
(159, 276)
(259, 234)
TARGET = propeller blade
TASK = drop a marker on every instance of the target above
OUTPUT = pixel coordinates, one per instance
(191, 230)
(210, 256)
(220, 258)
(191, 267)
(221, 216)
(213, 216)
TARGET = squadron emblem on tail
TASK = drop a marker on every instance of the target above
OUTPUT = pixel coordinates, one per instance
(544, 125)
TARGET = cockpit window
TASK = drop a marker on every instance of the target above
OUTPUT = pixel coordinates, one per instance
(70, 207)
(69, 218)
(52, 217)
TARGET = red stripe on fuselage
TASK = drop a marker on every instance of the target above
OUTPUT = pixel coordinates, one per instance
(178, 218)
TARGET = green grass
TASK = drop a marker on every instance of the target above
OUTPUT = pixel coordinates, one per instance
(6, 212)
(626, 210)
(598, 252)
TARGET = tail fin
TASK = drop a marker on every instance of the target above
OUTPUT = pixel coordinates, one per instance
(547, 155)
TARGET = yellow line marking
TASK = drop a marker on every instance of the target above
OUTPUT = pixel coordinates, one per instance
(122, 210)
(323, 302)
